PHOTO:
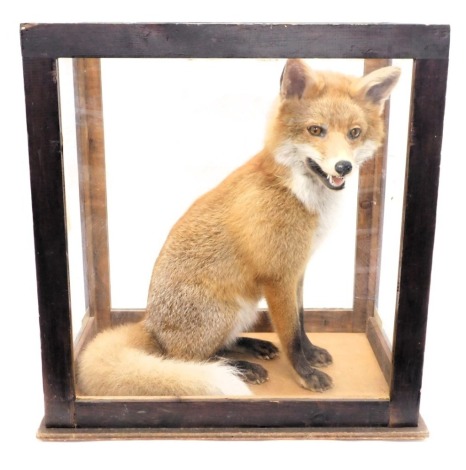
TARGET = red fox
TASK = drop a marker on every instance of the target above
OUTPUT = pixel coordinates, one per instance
(249, 238)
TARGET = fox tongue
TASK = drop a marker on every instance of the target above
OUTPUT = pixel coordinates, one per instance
(336, 180)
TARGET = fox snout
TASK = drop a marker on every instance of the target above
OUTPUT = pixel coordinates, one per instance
(343, 167)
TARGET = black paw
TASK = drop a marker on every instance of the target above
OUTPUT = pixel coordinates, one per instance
(257, 347)
(250, 373)
(318, 357)
(316, 381)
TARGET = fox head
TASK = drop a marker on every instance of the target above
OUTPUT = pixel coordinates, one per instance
(327, 123)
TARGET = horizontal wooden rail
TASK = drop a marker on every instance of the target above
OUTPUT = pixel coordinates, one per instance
(263, 40)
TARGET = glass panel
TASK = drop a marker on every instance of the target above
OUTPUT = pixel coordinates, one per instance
(394, 196)
(73, 211)
(173, 130)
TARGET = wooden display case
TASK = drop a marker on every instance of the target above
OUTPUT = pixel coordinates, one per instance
(378, 395)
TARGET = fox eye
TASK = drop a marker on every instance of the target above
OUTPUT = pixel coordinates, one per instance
(316, 131)
(354, 133)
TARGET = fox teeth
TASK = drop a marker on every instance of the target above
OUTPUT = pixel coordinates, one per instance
(332, 182)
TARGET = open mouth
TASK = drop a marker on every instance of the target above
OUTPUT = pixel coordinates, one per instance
(332, 182)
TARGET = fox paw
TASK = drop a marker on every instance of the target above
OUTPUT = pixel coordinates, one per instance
(318, 357)
(250, 373)
(257, 347)
(317, 381)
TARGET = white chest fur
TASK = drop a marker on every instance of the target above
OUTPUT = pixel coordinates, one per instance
(312, 193)
(318, 200)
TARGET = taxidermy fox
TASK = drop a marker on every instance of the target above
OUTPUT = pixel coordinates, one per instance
(249, 238)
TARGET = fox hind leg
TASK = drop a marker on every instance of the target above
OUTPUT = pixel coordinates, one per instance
(256, 347)
(250, 372)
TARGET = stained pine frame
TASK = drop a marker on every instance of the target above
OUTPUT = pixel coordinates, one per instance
(67, 416)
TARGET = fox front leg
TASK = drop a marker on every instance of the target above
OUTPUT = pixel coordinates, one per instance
(284, 311)
(318, 357)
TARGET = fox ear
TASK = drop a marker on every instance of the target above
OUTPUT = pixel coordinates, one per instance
(377, 85)
(297, 80)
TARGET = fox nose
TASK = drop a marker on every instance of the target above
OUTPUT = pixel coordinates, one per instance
(343, 167)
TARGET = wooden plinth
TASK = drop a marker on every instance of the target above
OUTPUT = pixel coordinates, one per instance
(346, 433)
(356, 374)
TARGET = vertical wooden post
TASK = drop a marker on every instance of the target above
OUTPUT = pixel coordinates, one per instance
(92, 185)
(419, 218)
(50, 238)
(369, 224)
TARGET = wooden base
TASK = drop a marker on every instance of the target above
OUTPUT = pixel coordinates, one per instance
(357, 376)
(355, 371)
(350, 433)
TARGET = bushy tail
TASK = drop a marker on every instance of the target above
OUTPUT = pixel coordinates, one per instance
(115, 364)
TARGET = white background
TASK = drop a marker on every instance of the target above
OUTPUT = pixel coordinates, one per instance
(21, 393)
